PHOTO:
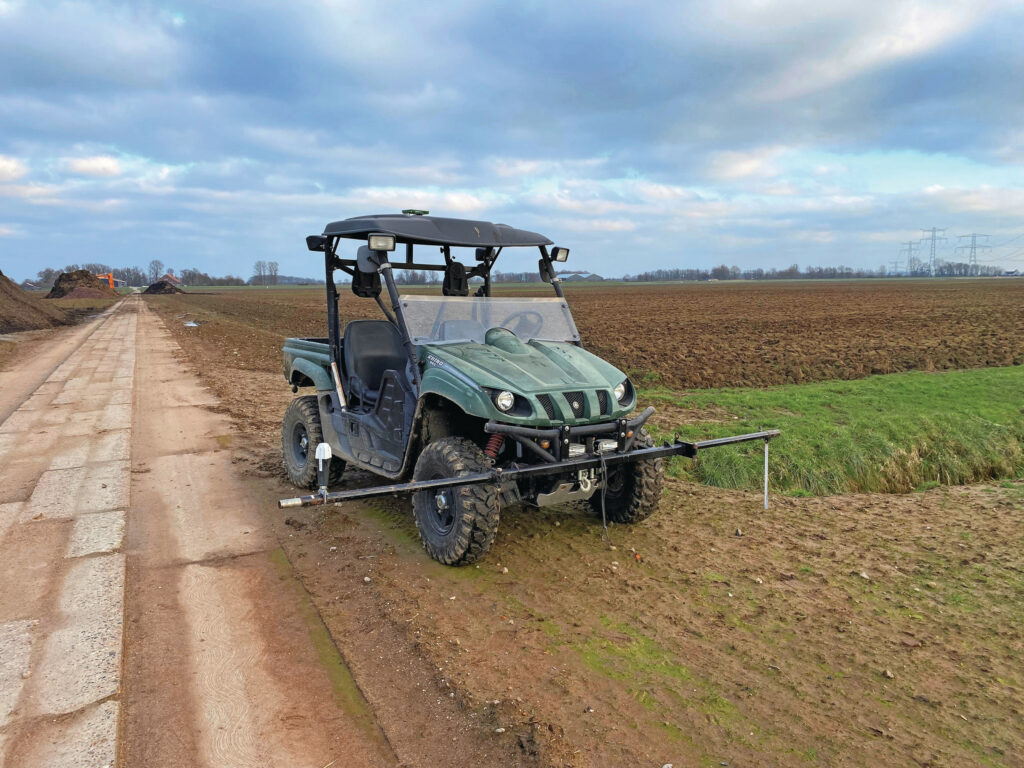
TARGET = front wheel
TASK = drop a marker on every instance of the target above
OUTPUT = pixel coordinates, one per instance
(457, 525)
(300, 434)
(633, 489)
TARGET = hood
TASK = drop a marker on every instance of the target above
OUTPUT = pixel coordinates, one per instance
(536, 367)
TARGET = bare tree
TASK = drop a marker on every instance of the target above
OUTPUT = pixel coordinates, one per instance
(259, 271)
(272, 272)
(156, 270)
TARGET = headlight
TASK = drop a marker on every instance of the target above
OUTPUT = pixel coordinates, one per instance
(620, 392)
(504, 400)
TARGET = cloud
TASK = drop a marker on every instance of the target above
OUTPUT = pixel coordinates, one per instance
(219, 134)
(98, 165)
(11, 168)
(730, 164)
(55, 44)
(893, 32)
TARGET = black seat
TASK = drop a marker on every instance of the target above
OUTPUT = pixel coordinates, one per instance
(371, 348)
(456, 281)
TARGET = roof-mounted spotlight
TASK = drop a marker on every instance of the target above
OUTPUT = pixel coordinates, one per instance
(381, 242)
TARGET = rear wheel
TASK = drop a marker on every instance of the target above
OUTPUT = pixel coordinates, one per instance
(300, 434)
(457, 525)
(633, 489)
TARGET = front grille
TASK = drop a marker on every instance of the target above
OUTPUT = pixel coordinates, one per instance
(602, 400)
(576, 402)
(547, 405)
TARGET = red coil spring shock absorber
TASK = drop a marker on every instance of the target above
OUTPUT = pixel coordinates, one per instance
(494, 445)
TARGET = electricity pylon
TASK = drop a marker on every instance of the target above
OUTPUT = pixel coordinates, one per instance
(972, 256)
(910, 249)
(933, 264)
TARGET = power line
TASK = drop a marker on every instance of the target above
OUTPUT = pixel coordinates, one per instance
(1011, 240)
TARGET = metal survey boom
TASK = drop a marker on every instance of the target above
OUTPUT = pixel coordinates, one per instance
(506, 474)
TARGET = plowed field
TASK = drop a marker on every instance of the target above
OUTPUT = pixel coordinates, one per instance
(706, 335)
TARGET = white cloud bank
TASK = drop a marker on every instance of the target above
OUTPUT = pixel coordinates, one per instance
(97, 165)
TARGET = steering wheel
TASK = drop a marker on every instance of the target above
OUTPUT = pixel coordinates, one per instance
(527, 322)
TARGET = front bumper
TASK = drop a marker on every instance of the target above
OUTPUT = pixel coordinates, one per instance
(558, 439)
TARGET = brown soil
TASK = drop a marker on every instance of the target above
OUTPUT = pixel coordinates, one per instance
(21, 310)
(80, 280)
(856, 630)
(709, 335)
(162, 287)
(87, 293)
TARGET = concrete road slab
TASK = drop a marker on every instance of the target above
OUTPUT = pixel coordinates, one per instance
(117, 417)
(112, 445)
(78, 382)
(63, 493)
(81, 660)
(8, 440)
(20, 421)
(37, 402)
(82, 424)
(97, 532)
(15, 652)
(10, 513)
(86, 740)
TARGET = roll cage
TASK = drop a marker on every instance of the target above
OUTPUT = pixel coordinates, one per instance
(411, 229)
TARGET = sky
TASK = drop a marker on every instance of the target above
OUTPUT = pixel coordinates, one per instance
(643, 135)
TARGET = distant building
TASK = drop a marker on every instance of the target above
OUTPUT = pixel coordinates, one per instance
(170, 279)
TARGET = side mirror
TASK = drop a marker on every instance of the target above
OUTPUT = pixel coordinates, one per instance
(367, 260)
(316, 243)
(547, 274)
(559, 254)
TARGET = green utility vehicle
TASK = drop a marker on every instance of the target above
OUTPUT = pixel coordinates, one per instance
(469, 402)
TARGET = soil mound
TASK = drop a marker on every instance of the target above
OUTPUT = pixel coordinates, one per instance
(69, 282)
(88, 293)
(23, 311)
(163, 286)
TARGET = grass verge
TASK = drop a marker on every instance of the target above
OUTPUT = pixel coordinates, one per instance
(894, 433)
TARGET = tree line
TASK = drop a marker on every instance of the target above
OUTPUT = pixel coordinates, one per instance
(793, 272)
(267, 273)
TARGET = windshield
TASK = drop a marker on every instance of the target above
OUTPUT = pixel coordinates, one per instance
(447, 319)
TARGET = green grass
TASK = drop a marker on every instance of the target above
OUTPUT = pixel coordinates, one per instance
(895, 433)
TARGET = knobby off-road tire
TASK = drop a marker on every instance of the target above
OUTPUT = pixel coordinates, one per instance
(301, 433)
(633, 489)
(456, 525)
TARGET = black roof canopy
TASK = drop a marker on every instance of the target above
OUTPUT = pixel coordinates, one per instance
(435, 230)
